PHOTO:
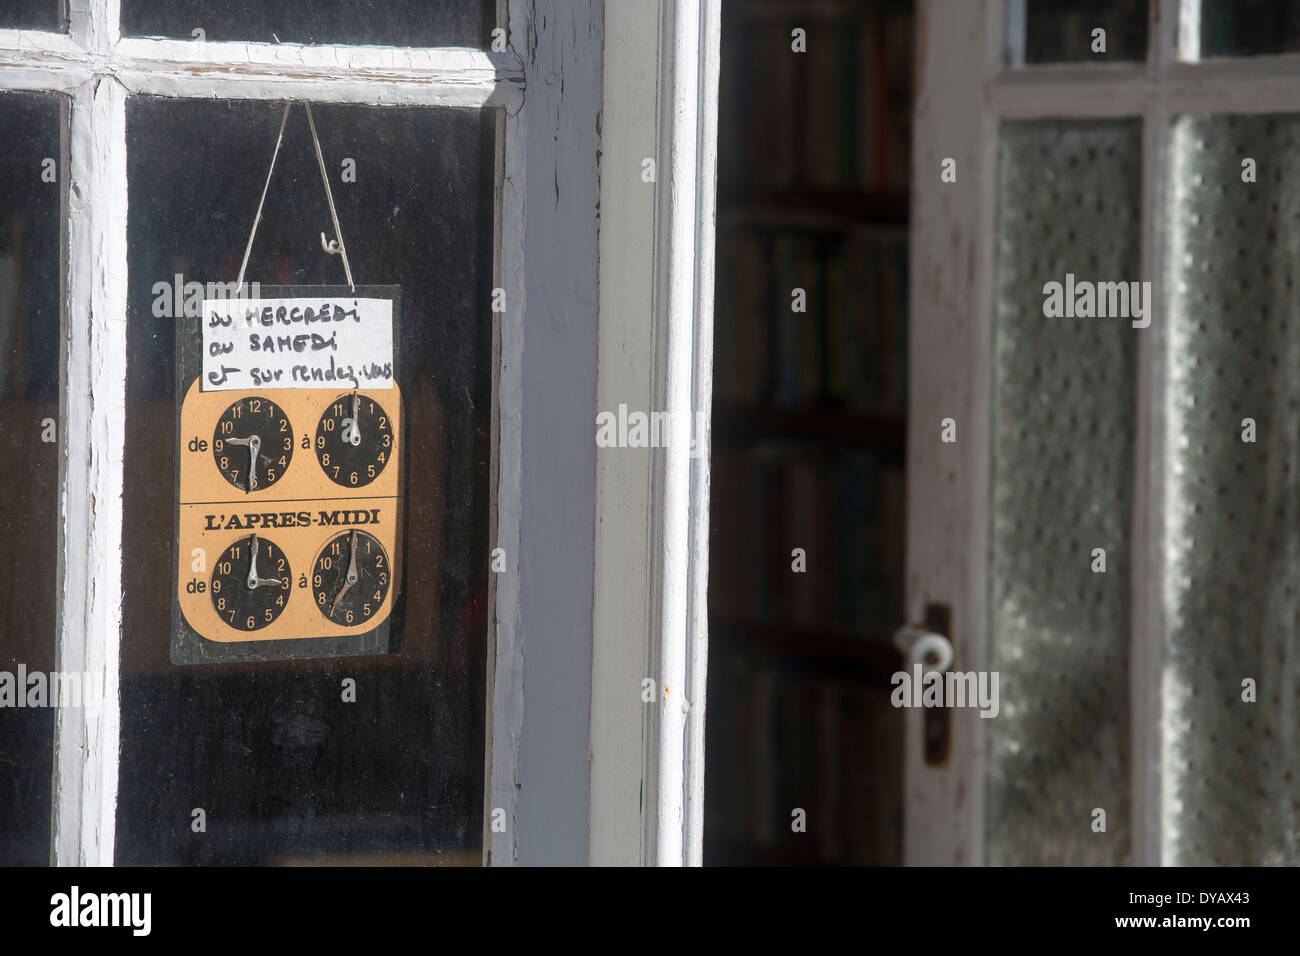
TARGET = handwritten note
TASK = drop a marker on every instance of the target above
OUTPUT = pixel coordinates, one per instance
(297, 343)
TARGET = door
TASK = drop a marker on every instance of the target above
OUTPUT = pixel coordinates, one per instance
(1102, 490)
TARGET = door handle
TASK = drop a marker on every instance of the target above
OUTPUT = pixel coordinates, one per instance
(918, 645)
(928, 645)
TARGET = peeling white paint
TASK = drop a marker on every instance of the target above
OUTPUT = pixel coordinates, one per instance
(94, 396)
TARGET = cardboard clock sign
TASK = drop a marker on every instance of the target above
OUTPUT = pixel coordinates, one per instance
(290, 437)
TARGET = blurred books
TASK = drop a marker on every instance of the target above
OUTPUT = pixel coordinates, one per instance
(809, 429)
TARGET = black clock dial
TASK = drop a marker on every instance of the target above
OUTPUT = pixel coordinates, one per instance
(251, 583)
(253, 429)
(354, 440)
(351, 578)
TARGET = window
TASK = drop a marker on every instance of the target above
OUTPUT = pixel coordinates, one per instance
(1117, 509)
(280, 772)
(153, 131)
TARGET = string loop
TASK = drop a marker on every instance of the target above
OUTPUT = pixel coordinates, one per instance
(333, 246)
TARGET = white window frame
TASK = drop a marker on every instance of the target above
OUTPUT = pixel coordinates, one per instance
(965, 92)
(583, 777)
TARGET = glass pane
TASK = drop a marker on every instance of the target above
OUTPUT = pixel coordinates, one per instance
(30, 229)
(1061, 487)
(1249, 27)
(33, 15)
(1065, 31)
(283, 767)
(1231, 767)
(836, 119)
(419, 23)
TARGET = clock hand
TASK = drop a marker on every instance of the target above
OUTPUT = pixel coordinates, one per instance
(351, 579)
(253, 580)
(254, 446)
(252, 563)
(351, 426)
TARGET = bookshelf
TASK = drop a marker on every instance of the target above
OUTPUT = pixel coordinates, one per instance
(813, 210)
(840, 654)
(809, 433)
(740, 424)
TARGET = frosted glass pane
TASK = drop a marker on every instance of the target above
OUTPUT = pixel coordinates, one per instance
(1232, 520)
(1063, 416)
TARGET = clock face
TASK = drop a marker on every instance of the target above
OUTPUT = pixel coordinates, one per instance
(252, 444)
(351, 578)
(354, 440)
(251, 583)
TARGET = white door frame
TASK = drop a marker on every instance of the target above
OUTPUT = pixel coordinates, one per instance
(656, 354)
(558, 729)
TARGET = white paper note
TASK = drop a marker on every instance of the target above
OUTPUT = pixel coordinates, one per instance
(297, 343)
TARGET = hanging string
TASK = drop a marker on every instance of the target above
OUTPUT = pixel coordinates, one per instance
(329, 196)
(249, 248)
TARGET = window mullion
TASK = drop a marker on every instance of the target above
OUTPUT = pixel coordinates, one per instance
(388, 75)
(48, 62)
(90, 520)
(1146, 631)
(93, 24)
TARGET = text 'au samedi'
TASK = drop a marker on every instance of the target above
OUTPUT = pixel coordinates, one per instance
(297, 343)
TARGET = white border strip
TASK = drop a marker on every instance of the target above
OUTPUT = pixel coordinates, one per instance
(683, 548)
(697, 646)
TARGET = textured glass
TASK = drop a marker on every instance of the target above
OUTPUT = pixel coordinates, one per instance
(1061, 486)
(1061, 31)
(285, 770)
(32, 15)
(30, 228)
(1249, 27)
(381, 22)
(1232, 519)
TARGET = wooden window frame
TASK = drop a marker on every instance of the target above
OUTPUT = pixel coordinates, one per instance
(558, 759)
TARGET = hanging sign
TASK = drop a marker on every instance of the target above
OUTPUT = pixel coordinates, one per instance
(290, 439)
(297, 343)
